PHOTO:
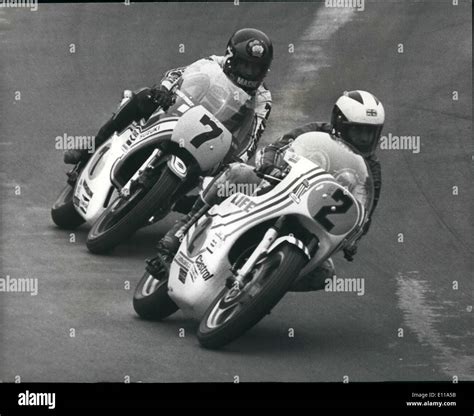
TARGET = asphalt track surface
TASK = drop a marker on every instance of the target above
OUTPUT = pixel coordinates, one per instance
(408, 285)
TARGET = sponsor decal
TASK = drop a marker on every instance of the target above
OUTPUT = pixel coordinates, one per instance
(193, 274)
(215, 243)
(371, 113)
(134, 133)
(221, 237)
(151, 131)
(184, 265)
(299, 191)
(255, 48)
(246, 83)
(202, 268)
(182, 261)
(182, 275)
(243, 202)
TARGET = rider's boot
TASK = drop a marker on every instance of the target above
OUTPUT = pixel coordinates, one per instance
(134, 106)
(170, 242)
(316, 279)
(74, 156)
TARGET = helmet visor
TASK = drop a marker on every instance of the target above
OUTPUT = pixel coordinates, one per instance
(364, 137)
(251, 71)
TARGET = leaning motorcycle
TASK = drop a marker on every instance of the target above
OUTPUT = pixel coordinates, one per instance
(240, 258)
(134, 178)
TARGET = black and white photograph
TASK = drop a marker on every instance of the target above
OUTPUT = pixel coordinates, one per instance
(238, 194)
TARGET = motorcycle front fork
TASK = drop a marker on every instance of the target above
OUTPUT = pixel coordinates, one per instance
(146, 166)
(239, 279)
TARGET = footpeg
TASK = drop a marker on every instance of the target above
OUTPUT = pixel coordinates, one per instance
(72, 176)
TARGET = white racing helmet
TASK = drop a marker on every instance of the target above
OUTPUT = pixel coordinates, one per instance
(358, 118)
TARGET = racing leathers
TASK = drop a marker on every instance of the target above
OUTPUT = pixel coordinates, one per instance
(144, 102)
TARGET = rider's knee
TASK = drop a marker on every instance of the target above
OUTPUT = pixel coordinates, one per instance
(227, 183)
(241, 173)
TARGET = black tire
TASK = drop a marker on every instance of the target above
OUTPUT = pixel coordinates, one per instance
(277, 273)
(100, 240)
(63, 213)
(153, 305)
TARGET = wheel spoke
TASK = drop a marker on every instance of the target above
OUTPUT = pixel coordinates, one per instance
(231, 302)
(220, 315)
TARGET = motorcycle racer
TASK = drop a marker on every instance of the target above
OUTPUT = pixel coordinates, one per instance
(246, 62)
(357, 119)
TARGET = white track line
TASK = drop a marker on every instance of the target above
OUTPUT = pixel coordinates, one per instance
(421, 316)
(311, 58)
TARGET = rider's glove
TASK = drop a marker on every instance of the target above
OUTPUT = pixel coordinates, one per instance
(162, 97)
(350, 252)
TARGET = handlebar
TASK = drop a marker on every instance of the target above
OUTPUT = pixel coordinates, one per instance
(267, 177)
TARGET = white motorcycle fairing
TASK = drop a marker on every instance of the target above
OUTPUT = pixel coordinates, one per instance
(201, 266)
(96, 185)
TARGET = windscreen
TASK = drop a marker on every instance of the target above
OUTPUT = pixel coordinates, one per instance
(331, 154)
(204, 83)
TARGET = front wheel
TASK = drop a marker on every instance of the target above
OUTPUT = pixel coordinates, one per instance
(63, 213)
(235, 311)
(151, 300)
(125, 216)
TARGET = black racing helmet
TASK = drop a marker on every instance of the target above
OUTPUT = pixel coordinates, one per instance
(248, 56)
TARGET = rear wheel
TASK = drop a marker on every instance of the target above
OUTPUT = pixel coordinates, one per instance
(234, 311)
(63, 213)
(125, 216)
(151, 300)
